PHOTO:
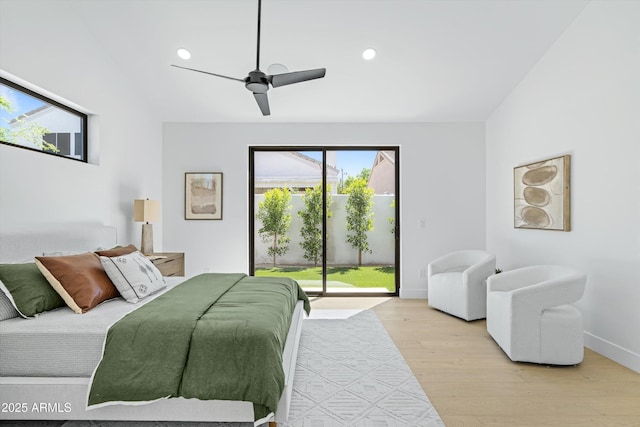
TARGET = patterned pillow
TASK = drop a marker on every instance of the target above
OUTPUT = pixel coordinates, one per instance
(79, 279)
(134, 275)
(27, 289)
(7, 309)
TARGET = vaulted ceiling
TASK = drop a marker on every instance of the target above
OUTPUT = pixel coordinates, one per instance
(437, 60)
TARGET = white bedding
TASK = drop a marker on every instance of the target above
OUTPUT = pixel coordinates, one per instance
(61, 343)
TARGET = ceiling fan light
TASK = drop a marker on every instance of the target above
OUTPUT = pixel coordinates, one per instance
(369, 54)
(277, 69)
(184, 53)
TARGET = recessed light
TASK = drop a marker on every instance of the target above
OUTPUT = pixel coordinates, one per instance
(184, 53)
(369, 54)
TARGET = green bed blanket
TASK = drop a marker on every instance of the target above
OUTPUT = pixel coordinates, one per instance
(215, 336)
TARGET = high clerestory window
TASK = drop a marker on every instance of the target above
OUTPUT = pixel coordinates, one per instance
(33, 121)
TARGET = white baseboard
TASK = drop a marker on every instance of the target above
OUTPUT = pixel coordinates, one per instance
(413, 293)
(612, 351)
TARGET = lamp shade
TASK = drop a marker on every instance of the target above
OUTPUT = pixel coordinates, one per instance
(146, 210)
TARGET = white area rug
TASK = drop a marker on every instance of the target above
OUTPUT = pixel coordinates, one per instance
(349, 373)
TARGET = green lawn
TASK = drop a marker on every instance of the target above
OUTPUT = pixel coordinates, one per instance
(361, 277)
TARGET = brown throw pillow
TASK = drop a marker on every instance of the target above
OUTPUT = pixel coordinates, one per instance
(117, 251)
(79, 279)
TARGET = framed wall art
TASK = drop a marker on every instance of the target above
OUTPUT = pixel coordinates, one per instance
(203, 195)
(542, 194)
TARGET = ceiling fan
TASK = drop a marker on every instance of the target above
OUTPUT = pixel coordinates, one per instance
(258, 82)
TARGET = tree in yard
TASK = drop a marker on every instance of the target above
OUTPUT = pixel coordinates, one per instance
(274, 213)
(365, 173)
(359, 209)
(23, 130)
(311, 230)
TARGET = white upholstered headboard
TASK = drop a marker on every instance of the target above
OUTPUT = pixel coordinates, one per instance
(21, 244)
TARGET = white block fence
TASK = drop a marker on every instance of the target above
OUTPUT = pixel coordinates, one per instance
(339, 251)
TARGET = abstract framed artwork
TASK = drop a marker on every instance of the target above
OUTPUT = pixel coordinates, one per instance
(203, 195)
(542, 194)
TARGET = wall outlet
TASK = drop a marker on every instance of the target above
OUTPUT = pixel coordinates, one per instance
(422, 223)
(207, 270)
(423, 273)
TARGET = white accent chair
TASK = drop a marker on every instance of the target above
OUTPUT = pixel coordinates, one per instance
(457, 283)
(529, 316)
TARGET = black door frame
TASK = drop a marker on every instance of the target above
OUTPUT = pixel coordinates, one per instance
(324, 149)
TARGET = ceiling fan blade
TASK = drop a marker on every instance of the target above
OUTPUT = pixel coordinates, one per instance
(296, 77)
(206, 72)
(263, 103)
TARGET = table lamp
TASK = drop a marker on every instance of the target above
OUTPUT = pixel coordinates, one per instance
(146, 211)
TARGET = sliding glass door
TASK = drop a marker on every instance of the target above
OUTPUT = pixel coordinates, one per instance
(327, 217)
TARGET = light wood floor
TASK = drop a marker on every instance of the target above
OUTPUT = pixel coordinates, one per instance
(471, 382)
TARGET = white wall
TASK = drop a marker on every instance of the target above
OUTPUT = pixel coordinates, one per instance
(125, 146)
(442, 183)
(583, 99)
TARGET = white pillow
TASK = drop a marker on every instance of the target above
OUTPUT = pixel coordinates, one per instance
(133, 275)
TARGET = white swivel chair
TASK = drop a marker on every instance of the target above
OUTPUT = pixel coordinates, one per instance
(457, 283)
(529, 316)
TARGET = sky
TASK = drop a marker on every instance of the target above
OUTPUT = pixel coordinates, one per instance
(20, 102)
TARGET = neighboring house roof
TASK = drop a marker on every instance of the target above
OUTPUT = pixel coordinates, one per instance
(30, 114)
(290, 169)
(387, 155)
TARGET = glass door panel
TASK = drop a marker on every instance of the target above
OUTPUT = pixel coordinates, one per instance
(361, 250)
(288, 215)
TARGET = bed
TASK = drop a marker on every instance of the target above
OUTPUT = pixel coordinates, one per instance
(47, 362)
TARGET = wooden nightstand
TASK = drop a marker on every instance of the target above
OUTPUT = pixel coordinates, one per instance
(169, 263)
